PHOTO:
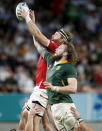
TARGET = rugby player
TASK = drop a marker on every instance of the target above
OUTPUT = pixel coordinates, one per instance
(61, 80)
(39, 95)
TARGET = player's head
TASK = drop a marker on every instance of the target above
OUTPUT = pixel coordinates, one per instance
(67, 51)
(62, 36)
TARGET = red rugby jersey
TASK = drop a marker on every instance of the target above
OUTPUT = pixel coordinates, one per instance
(42, 66)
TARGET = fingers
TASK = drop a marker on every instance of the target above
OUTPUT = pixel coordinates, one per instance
(33, 105)
(37, 108)
(33, 112)
(73, 110)
(37, 111)
(46, 83)
(20, 12)
(77, 126)
(31, 12)
(32, 15)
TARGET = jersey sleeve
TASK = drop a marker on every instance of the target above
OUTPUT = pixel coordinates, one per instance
(52, 46)
(71, 73)
(47, 56)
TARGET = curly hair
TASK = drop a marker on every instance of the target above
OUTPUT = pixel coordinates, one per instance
(72, 53)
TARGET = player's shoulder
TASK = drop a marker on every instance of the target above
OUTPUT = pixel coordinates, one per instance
(70, 66)
(53, 42)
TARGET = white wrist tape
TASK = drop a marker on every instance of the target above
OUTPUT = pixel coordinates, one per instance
(27, 19)
(55, 88)
(34, 39)
(80, 120)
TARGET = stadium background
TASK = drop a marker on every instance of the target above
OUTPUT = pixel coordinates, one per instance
(18, 56)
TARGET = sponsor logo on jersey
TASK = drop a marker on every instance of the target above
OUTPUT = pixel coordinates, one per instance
(58, 67)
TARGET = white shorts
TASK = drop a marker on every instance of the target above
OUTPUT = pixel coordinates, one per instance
(64, 119)
(39, 96)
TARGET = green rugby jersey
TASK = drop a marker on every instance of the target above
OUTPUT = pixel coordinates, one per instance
(57, 76)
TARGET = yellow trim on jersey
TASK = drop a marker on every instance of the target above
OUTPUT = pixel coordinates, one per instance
(62, 62)
(63, 82)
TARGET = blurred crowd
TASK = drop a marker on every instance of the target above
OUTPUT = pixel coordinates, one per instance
(18, 56)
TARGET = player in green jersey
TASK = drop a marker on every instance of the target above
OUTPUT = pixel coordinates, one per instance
(61, 80)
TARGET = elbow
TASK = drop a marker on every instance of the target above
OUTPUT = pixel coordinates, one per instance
(71, 92)
(74, 91)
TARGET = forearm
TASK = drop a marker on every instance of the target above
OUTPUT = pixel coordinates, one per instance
(64, 89)
(34, 30)
(29, 125)
(40, 48)
(52, 120)
(71, 88)
(46, 123)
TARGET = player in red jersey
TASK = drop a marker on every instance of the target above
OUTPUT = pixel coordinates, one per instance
(39, 95)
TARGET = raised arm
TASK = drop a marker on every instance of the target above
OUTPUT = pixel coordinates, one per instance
(40, 48)
(33, 29)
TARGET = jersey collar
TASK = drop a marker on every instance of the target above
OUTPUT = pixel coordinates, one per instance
(63, 62)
